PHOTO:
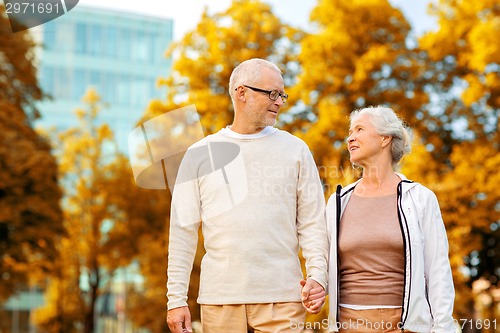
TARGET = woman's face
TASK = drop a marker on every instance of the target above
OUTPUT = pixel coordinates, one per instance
(364, 143)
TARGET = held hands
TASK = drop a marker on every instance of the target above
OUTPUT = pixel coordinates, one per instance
(179, 320)
(313, 298)
(313, 295)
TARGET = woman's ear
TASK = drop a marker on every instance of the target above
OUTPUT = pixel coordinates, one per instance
(386, 139)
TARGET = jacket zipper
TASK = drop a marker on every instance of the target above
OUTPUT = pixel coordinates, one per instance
(427, 297)
(403, 223)
(339, 212)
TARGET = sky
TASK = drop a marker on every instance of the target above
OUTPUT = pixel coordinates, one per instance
(187, 13)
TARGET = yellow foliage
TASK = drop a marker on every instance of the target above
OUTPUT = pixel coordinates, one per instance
(357, 58)
(483, 39)
(419, 165)
(30, 215)
(469, 198)
(208, 54)
(91, 97)
(466, 43)
(89, 169)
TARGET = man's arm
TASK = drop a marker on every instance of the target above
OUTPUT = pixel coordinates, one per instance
(311, 224)
(183, 240)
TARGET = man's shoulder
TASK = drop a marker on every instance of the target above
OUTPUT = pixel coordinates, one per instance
(284, 135)
(205, 140)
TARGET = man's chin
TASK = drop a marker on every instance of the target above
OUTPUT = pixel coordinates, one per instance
(271, 122)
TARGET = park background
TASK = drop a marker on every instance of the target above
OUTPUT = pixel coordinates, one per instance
(72, 218)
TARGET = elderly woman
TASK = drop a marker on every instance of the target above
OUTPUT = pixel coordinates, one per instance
(389, 268)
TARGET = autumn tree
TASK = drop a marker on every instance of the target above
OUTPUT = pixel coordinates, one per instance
(469, 198)
(445, 87)
(143, 239)
(89, 164)
(30, 215)
(206, 56)
(358, 57)
(464, 63)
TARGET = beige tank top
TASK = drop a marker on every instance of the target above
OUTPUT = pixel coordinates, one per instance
(371, 252)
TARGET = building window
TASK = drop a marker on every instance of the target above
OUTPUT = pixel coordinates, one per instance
(141, 47)
(110, 36)
(49, 35)
(96, 81)
(95, 40)
(47, 80)
(79, 83)
(140, 89)
(62, 83)
(123, 90)
(81, 38)
(124, 44)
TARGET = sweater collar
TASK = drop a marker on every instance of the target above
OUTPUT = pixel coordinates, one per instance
(268, 130)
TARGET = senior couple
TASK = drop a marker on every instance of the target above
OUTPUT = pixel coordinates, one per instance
(380, 251)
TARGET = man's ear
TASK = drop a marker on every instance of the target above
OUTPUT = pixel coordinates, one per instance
(240, 94)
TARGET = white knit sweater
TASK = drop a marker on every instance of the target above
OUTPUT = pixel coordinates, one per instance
(258, 198)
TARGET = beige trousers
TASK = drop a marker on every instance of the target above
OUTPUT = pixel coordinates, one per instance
(257, 318)
(370, 321)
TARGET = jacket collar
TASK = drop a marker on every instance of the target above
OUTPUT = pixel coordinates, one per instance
(406, 185)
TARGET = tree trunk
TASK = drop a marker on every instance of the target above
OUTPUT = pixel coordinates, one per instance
(90, 317)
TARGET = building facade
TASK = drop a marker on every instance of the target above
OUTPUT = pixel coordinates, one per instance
(121, 55)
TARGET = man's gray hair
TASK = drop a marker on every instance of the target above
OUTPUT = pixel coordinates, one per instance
(249, 72)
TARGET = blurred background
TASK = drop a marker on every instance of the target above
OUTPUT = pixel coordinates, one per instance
(84, 249)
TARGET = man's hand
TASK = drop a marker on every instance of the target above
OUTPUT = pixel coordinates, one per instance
(179, 320)
(313, 295)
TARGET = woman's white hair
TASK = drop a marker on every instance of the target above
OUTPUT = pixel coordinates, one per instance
(386, 122)
(249, 72)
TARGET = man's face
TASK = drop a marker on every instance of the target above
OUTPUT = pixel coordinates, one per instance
(260, 109)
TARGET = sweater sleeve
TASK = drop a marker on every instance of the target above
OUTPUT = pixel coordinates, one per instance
(439, 281)
(311, 225)
(183, 237)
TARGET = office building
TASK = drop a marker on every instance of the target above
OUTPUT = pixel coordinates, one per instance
(121, 54)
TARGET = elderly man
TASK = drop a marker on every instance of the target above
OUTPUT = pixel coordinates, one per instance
(257, 209)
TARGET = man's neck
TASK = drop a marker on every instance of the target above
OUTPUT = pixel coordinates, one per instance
(245, 129)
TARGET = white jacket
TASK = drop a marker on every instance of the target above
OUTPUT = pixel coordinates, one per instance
(428, 296)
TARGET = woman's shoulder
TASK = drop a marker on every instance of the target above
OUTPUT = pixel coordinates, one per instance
(416, 187)
(342, 191)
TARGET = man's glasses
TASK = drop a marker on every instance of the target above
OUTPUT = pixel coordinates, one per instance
(273, 94)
